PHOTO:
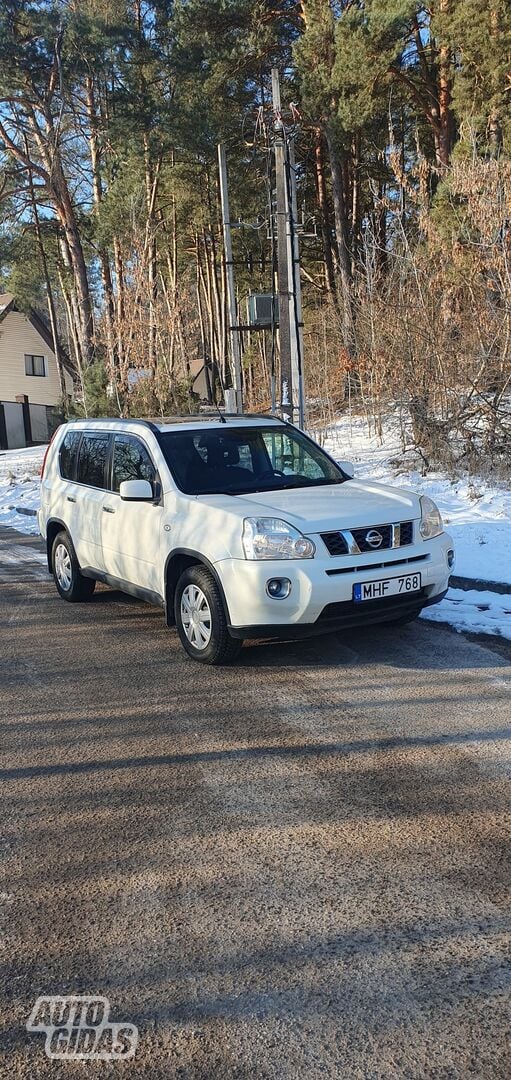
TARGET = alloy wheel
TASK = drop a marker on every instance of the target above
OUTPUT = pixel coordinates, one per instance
(196, 617)
(63, 568)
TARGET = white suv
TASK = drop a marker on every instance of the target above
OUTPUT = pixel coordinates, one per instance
(239, 526)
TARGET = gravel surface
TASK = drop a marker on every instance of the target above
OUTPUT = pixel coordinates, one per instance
(295, 867)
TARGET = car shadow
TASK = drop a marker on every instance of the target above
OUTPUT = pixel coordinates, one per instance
(421, 645)
(418, 645)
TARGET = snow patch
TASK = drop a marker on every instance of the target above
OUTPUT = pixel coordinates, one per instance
(19, 486)
(476, 514)
(478, 612)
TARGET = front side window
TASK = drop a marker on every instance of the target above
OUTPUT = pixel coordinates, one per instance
(92, 459)
(131, 461)
(237, 461)
(34, 365)
(67, 454)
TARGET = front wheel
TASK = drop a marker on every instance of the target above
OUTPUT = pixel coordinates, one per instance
(71, 584)
(200, 618)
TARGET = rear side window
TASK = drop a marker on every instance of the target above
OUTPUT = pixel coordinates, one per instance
(131, 461)
(92, 460)
(67, 454)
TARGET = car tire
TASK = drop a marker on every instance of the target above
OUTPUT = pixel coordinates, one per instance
(200, 618)
(71, 584)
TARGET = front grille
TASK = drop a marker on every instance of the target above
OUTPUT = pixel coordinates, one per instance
(358, 541)
(360, 538)
(335, 543)
(406, 533)
(359, 569)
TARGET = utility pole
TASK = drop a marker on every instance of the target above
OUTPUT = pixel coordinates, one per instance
(233, 314)
(288, 267)
(295, 298)
(286, 372)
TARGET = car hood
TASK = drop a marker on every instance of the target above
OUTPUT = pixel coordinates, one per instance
(354, 504)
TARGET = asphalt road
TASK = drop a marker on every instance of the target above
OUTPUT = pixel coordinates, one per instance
(295, 867)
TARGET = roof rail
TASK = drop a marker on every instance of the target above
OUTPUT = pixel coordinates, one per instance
(213, 415)
(113, 419)
(253, 416)
(155, 423)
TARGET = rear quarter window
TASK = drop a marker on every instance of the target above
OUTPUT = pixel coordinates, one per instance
(67, 454)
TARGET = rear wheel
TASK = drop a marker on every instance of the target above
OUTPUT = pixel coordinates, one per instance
(200, 618)
(71, 584)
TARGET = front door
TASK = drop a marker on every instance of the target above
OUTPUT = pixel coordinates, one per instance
(131, 531)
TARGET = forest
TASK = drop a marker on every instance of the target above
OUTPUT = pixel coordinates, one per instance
(111, 112)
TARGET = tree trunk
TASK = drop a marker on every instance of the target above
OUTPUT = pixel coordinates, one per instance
(120, 312)
(343, 252)
(442, 117)
(49, 150)
(381, 231)
(151, 184)
(66, 215)
(47, 163)
(49, 293)
(200, 306)
(324, 212)
(97, 189)
(495, 137)
(71, 323)
(355, 202)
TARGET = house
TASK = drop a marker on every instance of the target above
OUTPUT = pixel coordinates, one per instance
(29, 380)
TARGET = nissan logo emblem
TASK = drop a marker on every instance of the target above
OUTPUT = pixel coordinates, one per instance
(374, 538)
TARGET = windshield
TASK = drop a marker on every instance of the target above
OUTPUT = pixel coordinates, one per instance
(237, 461)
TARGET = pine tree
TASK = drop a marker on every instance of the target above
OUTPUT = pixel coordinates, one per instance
(480, 35)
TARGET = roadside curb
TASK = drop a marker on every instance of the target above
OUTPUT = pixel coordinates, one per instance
(479, 585)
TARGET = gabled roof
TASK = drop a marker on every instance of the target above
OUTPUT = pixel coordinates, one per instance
(8, 303)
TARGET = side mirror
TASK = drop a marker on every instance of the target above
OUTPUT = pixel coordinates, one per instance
(136, 490)
(347, 467)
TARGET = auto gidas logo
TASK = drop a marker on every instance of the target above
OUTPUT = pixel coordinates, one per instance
(79, 1028)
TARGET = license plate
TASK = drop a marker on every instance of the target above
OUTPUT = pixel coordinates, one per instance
(378, 590)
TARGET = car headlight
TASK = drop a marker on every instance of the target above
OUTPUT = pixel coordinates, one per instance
(271, 538)
(431, 519)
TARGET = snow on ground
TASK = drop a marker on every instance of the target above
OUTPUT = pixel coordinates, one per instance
(478, 612)
(19, 486)
(477, 514)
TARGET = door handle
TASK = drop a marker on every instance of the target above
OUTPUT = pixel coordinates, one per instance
(108, 510)
(71, 499)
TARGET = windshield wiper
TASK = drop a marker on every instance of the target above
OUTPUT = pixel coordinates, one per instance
(283, 487)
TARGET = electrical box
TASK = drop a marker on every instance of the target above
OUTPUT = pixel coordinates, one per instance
(260, 307)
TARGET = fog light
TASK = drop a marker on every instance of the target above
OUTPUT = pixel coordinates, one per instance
(450, 558)
(278, 588)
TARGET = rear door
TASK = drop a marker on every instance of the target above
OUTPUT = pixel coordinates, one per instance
(58, 484)
(89, 492)
(131, 531)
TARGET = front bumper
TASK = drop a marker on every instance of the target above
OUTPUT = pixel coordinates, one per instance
(322, 589)
(344, 616)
